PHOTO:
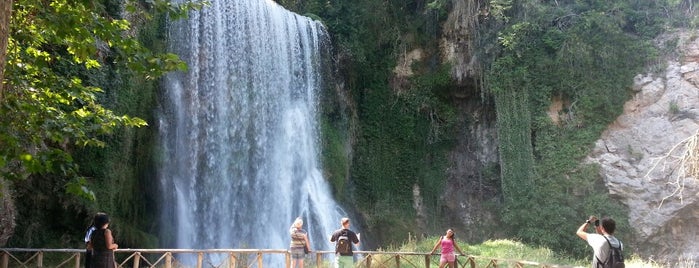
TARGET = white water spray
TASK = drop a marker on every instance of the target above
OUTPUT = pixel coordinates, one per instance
(239, 130)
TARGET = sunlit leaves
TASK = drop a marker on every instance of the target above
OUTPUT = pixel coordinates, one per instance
(50, 105)
(77, 187)
(499, 9)
(516, 36)
(174, 11)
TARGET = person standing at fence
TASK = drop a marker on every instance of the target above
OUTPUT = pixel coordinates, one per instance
(602, 241)
(448, 244)
(88, 248)
(102, 243)
(343, 239)
(299, 243)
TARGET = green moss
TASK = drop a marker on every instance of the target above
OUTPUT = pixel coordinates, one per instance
(335, 157)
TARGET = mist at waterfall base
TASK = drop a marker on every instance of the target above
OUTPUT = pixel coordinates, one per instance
(239, 134)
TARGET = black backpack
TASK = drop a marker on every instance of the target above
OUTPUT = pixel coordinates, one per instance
(615, 257)
(343, 245)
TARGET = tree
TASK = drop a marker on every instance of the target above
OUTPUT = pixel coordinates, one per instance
(7, 212)
(50, 101)
(5, 13)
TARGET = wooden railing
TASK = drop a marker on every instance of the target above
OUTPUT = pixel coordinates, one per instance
(243, 258)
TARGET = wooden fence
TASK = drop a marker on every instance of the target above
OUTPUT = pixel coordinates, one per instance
(243, 258)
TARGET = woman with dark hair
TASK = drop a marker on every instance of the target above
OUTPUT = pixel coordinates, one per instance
(448, 245)
(102, 243)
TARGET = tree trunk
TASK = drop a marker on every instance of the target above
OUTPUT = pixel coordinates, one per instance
(5, 12)
(7, 209)
(7, 212)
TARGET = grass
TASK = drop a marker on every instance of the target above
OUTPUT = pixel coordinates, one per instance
(511, 252)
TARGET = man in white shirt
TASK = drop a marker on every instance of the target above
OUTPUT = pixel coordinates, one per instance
(598, 241)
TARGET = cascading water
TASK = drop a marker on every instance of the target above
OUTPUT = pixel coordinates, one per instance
(239, 130)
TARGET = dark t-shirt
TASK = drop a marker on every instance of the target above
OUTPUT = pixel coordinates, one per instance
(350, 235)
(101, 256)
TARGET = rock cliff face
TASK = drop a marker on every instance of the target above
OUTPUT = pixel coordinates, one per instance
(473, 179)
(641, 154)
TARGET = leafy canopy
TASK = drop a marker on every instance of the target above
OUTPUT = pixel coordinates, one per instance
(49, 105)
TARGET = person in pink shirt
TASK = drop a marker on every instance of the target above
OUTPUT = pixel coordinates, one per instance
(448, 245)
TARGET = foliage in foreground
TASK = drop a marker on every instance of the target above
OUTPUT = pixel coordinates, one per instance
(61, 58)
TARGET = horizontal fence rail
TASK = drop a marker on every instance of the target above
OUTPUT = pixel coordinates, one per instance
(244, 258)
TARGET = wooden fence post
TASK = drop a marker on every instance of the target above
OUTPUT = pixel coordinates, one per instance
(472, 261)
(137, 260)
(231, 260)
(200, 259)
(5, 259)
(427, 261)
(168, 260)
(288, 259)
(259, 259)
(40, 259)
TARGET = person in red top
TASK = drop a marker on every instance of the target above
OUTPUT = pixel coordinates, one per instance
(448, 245)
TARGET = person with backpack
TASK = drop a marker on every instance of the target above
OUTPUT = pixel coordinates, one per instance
(448, 244)
(343, 239)
(607, 249)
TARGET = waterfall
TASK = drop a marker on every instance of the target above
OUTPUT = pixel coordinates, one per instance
(239, 134)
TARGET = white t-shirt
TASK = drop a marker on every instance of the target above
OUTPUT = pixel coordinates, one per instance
(600, 247)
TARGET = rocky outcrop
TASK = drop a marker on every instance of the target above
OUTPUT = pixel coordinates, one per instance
(641, 156)
(472, 183)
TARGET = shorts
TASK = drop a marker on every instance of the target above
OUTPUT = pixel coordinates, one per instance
(297, 253)
(344, 261)
(448, 257)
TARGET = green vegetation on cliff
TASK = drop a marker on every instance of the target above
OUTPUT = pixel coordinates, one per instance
(400, 134)
(575, 59)
(560, 75)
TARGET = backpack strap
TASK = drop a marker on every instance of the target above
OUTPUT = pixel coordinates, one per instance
(611, 251)
(610, 244)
